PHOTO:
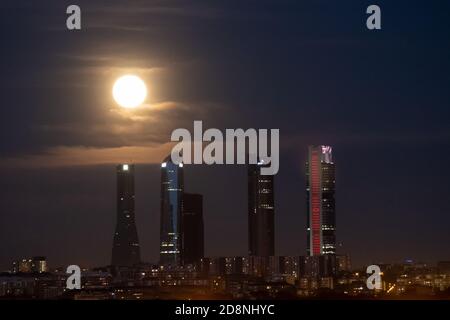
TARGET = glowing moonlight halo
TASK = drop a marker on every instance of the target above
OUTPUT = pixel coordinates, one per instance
(129, 91)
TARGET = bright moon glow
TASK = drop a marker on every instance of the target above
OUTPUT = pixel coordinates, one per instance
(129, 91)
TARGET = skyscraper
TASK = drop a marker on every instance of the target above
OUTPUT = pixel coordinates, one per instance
(260, 212)
(320, 188)
(126, 251)
(172, 186)
(192, 225)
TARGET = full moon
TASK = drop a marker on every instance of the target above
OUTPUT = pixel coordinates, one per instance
(129, 91)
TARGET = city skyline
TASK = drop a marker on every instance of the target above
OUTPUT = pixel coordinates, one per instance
(320, 175)
(130, 167)
(181, 219)
(184, 271)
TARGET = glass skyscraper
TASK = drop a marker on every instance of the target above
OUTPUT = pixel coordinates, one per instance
(320, 205)
(172, 186)
(126, 251)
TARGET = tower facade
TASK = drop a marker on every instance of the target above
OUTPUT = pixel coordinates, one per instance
(193, 228)
(320, 205)
(261, 233)
(172, 186)
(126, 250)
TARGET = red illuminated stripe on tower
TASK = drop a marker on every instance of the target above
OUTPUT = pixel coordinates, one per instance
(315, 202)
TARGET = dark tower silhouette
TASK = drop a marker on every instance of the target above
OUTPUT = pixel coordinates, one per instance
(126, 251)
(193, 232)
(261, 232)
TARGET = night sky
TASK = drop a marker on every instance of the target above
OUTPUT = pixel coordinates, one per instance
(309, 68)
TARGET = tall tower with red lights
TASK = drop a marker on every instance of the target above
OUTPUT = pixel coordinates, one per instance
(320, 191)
